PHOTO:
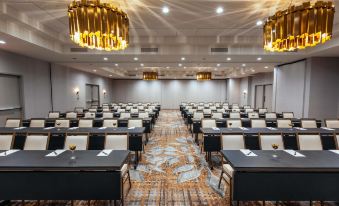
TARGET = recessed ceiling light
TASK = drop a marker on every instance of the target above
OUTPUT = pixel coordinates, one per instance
(229, 59)
(266, 67)
(259, 59)
(110, 75)
(183, 58)
(116, 65)
(259, 23)
(94, 70)
(184, 67)
(105, 58)
(165, 10)
(218, 65)
(243, 65)
(219, 10)
(167, 67)
(142, 64)
(179, 65)
(2, 42)
(136, 58)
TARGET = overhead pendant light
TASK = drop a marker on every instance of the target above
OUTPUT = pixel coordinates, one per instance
(150, 75)
(96, 25)
(299, 27)
(204, 76)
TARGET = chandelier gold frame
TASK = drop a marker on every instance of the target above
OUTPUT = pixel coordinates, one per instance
(97, 25)
(204, 76)
(299, 27)
(150, 76)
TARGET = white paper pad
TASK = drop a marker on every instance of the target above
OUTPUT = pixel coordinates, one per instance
(335, 151)
(294, 153)
(243, 128)
(20, 128)
(131, 127)
(56, 153)
(215, 128)
(73, 128)
(8, 152)
(326, 128)
(299, 128)
(48, 128)
(248, 153)
(102, 127)
(271, 128)
(105, 153)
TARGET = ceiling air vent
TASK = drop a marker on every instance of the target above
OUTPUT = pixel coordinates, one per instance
(149, 50)
(79, 50)
(132, 75)
(219, 50)
(189, 75)
(161, 75)
(219, 75)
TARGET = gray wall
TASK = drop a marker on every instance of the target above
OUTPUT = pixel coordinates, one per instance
(234, 93)
(169, 93)
(259, 79)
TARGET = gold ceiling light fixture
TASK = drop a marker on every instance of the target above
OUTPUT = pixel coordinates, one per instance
(299, 27)
(204, 76)
(150, 76)
(97, 25)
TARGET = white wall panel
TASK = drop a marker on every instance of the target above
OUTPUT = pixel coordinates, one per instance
(169, 93)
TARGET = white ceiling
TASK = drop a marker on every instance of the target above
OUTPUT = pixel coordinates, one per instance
(39, 28)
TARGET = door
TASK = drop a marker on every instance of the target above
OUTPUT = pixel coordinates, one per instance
(259, 96)
(268, 96)
(92, 95)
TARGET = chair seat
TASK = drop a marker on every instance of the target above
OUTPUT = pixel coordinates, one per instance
(124, 170)
(228, 169)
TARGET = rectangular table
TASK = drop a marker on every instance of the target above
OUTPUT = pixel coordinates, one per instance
(30, 175)
(96, 137)
(285, 177)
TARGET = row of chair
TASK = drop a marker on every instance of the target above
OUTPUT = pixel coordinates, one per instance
(261, 123)
(123, 114)
(65, 123)
(268, 115)
(224, 108)
(218, 104)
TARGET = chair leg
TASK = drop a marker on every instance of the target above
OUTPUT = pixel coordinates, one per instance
(220, 179)
(89, 203)
(129, 179)
(23, 202)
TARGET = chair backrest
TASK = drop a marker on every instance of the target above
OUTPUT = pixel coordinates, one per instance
(92, 110)
(247, 107)
(121, 110)
(192, 110)
(71, 115)
(337, 140)
(284, 123)
(128, 107)
(143, 115)
(200, 108)
(207, 111)
(258, 123)
(85, 123)
(135, 123)
(234, 123)
(6, 141)
(134, 110)
(89, 115)
(79, 109)
(110, 123)
(252, 115)
(36, 142)
(235, 106)
(234, 114)
(79, 140)
(225, 107)
(62, 123)
(13, 123)
(37, 123)
(267, 140)
(208, 123)
(270, 115)
(125, 115)
(262, 110)
(217, 115)
(248, 110)
(141, 107)
(309, 142)
(198, 115)
(213, 107)
(106, 110)
(289, 115)
(221, 110)
(308, 123)
(116, 141)
(232, 141)
(332, 123)
(235, 110)
(107, 115)
(53, 115)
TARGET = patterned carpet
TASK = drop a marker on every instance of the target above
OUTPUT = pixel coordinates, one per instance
(173, 171)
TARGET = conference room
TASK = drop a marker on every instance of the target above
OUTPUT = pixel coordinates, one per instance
(191, 102)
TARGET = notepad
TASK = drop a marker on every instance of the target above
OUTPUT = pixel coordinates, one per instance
(20, 128)
(243, 128)
(131, 127)
(271, 128)
(55, 153)
(48, 128)
(294, 153)
(335, 151)
(248, 153)
(102, 127)
(299, 128)
(105, 153)
(215, 128)
(8, 152)
(72, 128)
(326, 128)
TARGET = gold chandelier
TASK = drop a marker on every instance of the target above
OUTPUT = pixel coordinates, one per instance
(150, 75)
(204, 76)
(98, 25)
(299, 27)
